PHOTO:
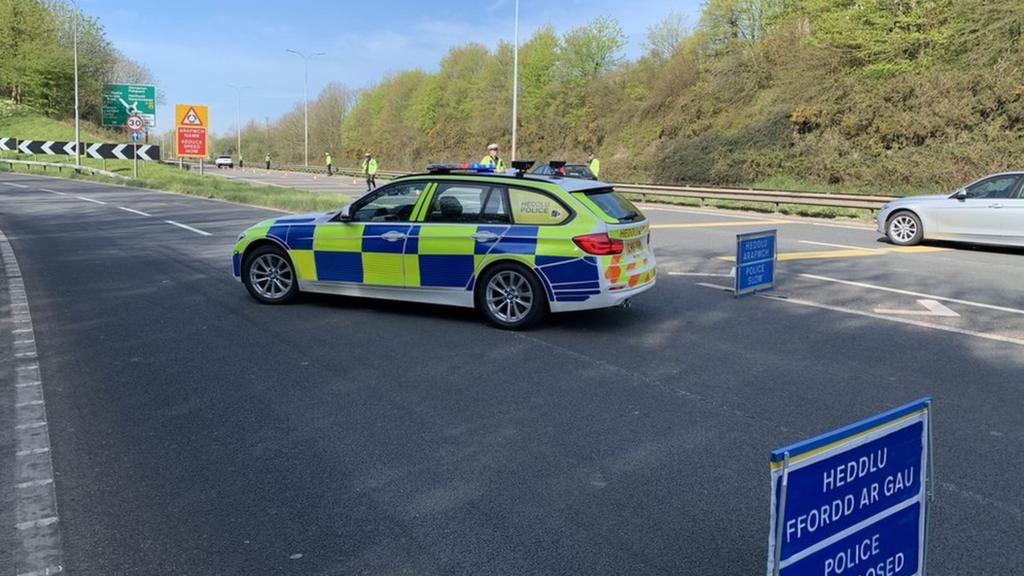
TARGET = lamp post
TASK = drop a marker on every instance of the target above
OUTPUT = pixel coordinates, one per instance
(238, 114)
(305, 96)
(78, 122)
(515, 86)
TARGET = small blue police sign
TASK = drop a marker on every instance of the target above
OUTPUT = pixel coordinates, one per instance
(755, 262)
(136, 136)
(853, 501)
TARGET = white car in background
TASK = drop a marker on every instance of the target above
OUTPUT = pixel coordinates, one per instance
(224, 161)
(989, 211)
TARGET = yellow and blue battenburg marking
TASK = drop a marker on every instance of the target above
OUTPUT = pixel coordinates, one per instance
(436, 256)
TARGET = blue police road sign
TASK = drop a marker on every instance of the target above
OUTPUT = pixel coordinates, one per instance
(755, 262)
(136, 136)
(853, 501)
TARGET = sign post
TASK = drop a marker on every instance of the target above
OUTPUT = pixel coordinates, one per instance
(191, 122)
(756, 255)
(123, 100)
(854, 501)
(135, 125)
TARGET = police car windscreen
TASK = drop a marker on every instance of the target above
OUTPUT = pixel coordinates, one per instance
(614, 205)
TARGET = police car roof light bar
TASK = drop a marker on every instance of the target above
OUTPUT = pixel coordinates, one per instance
(464, 167)
(521, 166)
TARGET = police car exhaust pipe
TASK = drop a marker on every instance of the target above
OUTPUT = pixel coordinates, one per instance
(626, 304)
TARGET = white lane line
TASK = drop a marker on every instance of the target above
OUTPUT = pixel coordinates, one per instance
(32, 452)
(846, 246)
(34, 483)
(53, 192)
(918, 323)
(90, 200)
(139, 212)
(15, 185)
(844, 226)
(36, 523)
(48, 571)
(30, 426)
(909, 293)
(716, 286)
(29, 403)
(187, 227)
(702, 274)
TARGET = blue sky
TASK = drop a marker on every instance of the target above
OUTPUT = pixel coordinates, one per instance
(195, 48)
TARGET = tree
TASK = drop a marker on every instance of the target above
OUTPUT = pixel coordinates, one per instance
(591, 50)
(665, 37)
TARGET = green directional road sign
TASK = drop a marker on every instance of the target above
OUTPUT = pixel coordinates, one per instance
(123, 100)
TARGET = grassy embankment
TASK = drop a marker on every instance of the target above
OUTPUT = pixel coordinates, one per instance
(22, 124)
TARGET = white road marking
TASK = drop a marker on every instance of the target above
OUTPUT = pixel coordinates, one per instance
(702, 274)
(34, 483)
(15, 185)
(187, 227)
(847, 246)
(716, 286)
(53, 192)
(139, 212)
(36, 523)
(932, 308)
(48, 571)
(90, 200)
(35, 511)
(918, 323)
(909, 293)
(844, 226)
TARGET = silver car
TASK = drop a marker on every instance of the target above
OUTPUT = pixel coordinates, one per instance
(989, 211)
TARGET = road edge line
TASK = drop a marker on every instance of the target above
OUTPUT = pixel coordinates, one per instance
(37, 533)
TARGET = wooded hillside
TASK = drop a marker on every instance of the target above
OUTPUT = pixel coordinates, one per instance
(878, 94)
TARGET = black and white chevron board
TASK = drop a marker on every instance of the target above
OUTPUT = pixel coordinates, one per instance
(144, 152)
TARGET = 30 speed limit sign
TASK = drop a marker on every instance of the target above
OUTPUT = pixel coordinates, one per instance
(135, 123)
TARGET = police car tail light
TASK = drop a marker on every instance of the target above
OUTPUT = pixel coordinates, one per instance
(599, 244)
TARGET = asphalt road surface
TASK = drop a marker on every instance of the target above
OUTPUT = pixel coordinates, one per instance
(354, 187)
(195, 431)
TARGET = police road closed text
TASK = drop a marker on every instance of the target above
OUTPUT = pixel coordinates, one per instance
(855, 509)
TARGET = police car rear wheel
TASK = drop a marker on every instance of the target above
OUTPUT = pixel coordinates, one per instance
(511, 297)
(269, 276)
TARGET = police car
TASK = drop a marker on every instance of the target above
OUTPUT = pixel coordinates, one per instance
(515, 246)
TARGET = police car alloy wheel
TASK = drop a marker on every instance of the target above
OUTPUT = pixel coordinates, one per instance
(511, 297)
(269, 276)
(904, 229)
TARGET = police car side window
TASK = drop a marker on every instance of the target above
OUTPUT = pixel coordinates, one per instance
(496, 208)
(389, 204)
(531, 207)
(457, 203)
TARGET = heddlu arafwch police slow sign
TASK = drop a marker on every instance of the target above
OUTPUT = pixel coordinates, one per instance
(853, 502)
(755, 262)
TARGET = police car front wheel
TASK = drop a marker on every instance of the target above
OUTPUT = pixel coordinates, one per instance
(511, 297)
(269, 276)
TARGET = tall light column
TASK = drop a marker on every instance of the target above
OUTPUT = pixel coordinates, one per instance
(238, 116)
(515, 86)
(305, 96)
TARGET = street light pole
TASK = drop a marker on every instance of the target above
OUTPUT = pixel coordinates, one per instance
(305, 97)
(515, 86)
(78, 121)
(238, 116)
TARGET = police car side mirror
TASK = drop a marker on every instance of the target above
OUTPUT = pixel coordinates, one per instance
(346, 214)
(961, 195)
